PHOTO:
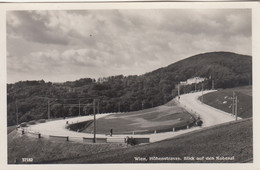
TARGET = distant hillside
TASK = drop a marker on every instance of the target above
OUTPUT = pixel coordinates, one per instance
(125, 93)
(227, 69)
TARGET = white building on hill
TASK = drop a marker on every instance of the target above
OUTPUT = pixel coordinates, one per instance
(192, 80)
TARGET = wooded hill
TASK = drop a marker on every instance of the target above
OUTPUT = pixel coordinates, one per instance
(125, 93)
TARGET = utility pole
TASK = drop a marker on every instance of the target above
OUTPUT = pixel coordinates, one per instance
(79, 107)
(98, 107)
(16, 112)
(195, 84)
(85, 110)
(62, 109)
(48, 109)
(202, 93)
(212, 84)
(233, 104)
(178, 92)
(236, 108)
(94, 111)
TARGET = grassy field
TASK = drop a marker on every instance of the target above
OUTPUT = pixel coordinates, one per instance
(232, 140)
(46, 151)
(157, 118)
(222, 100)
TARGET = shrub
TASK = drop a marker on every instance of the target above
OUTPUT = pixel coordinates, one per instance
(32, 122)
(130, 141)
(42, 121)
(24, 124)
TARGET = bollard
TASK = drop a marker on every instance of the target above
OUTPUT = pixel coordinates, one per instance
(39, 135)
(133, 132)
(67, 138)
(173, 129)
(188, 126)
(154, 131)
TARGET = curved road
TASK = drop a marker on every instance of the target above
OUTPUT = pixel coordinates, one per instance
(190, 102)
(209, 115)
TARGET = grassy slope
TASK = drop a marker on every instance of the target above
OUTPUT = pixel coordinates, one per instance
(44, 150)
(244, 94)
(157, 118)
(233, 139)
(10, 128)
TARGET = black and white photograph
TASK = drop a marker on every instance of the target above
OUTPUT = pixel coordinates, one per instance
(129, 85)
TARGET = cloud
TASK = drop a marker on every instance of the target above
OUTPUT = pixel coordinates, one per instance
(97, 43)
(33, 29)
(75, 27)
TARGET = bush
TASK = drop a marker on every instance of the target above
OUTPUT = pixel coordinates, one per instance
(32, 122)
(42, 121)
(130, 141)
(24, 124)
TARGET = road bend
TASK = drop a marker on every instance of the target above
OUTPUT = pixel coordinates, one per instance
(209, 115)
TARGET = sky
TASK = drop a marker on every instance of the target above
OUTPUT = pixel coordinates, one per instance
(66, 45)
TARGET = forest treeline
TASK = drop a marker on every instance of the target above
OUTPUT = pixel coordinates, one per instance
(125, 93)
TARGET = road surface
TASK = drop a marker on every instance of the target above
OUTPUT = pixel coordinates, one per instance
(209, 115)
(190, 102)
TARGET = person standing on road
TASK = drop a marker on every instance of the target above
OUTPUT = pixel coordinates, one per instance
(111, 132)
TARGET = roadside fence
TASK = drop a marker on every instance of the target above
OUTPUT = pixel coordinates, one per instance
(123, 140)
